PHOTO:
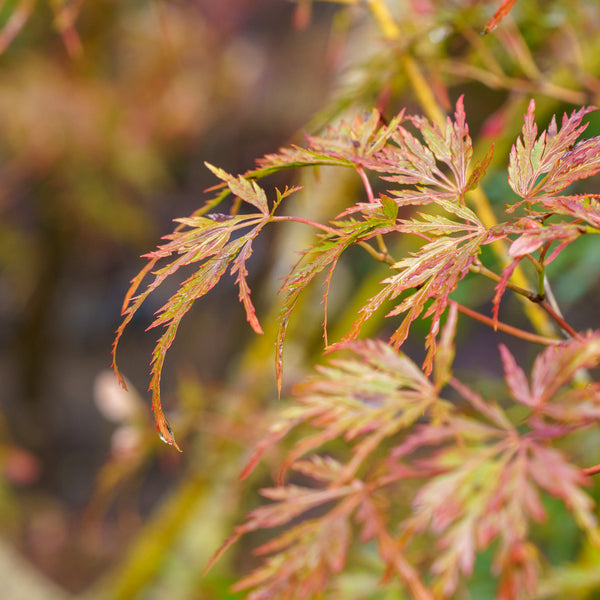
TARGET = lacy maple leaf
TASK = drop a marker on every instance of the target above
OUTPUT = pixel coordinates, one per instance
(216, 242)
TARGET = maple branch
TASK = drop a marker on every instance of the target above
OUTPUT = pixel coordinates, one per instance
(383, 250)
(544, 285)
(502, 81)
(539, 298)
(433, 110)
(421, 87)
(549, 295)
(384, 19)
(479, 268)
(383, 255)
(525, 335)
(541, 272)
(557, 318)
(537, 265)
(544, 251)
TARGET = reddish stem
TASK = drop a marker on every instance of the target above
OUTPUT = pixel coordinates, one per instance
(366, 183)
(591, 470)
(558, 319)
(306, 222)
(525, 335)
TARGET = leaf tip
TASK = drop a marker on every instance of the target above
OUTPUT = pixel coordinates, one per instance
(165, 432)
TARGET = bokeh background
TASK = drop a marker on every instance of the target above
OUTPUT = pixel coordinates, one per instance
(108, 111)
(105, 130)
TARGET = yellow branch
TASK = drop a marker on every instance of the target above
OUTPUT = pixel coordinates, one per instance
(384, 19)
(422, 90)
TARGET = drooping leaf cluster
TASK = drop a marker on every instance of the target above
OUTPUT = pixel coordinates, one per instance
(465, 473)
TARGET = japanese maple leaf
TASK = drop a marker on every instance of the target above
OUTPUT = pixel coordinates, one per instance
(435, 170)
(426, 278)
(544, 165)
(549, 394)
(214, 243)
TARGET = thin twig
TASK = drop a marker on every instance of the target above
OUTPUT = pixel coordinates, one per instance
(536, 298)
(366, 183)
(496, 81)
(382, 256)
(477, 267)
(525, 335)
(321, 226)
(538, 266)
(558, 319)
(383, 249)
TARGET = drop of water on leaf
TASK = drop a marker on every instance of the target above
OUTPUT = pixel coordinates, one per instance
(169, 438)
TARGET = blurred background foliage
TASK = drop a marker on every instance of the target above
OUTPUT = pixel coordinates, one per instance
(108, 110)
